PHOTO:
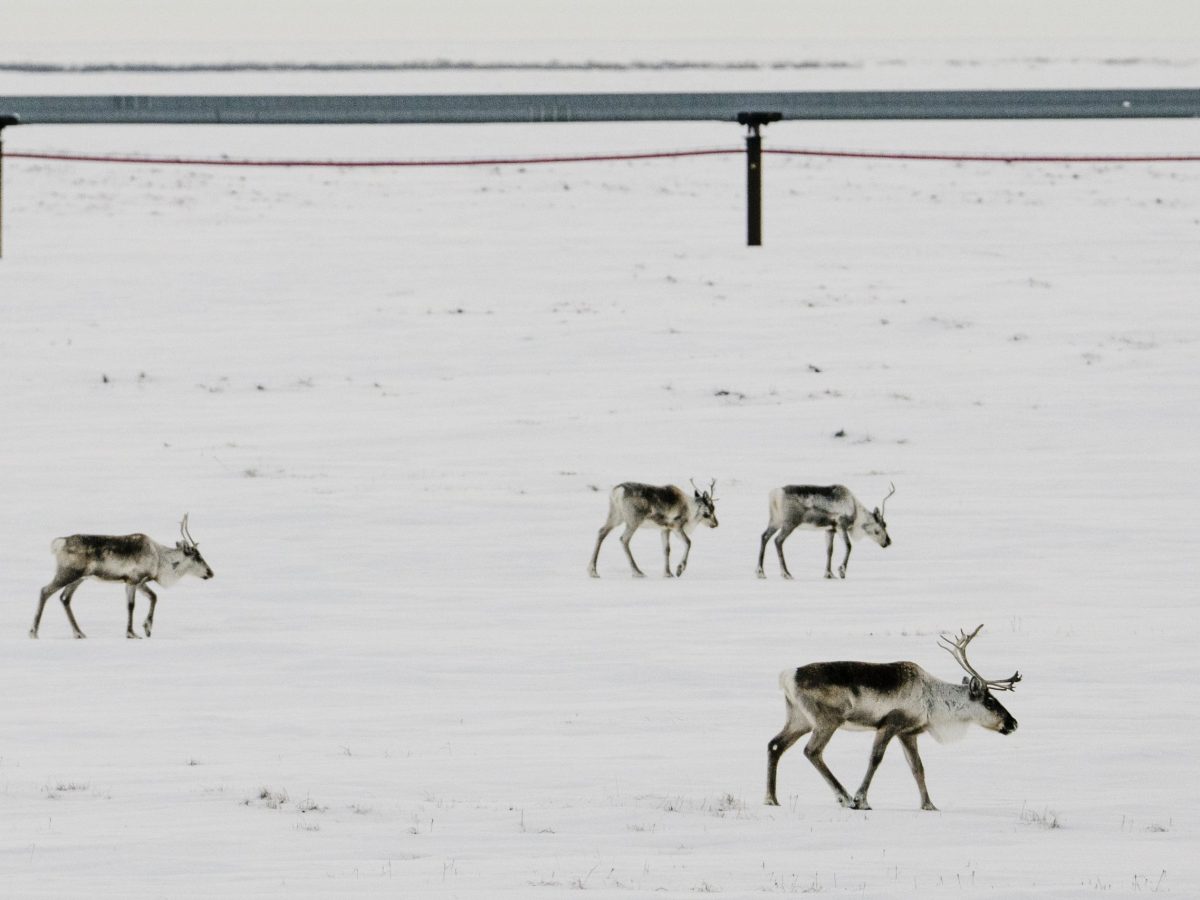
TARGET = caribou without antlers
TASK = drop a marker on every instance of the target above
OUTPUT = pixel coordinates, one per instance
(830, 509)
(896, 700)
(668, 507)
(132, 558)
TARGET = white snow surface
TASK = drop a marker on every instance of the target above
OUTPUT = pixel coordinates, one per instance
(393, 402)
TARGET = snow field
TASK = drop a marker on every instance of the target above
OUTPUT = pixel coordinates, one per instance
(393, 403)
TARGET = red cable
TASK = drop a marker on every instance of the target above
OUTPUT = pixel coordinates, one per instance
(348, 164)
(946, 157)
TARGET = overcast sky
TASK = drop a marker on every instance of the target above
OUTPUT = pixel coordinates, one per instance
(174, 21)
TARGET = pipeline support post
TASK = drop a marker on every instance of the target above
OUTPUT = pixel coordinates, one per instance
(753, 121)
(6, 119)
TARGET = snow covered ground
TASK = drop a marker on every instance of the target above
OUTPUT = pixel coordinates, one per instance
(393, 402)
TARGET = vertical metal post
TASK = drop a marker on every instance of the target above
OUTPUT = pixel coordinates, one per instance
(6, 119)
(753, 188)
(753, 121)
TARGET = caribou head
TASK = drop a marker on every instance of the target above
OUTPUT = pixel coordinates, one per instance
(875, 527)
(706, 503)
(990, 713)
(191, 551)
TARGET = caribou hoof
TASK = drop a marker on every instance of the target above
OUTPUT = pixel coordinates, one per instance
(639, 574)
(829, 575)
(860, 802)
(79, 635)
(133, 637)
(770, 801)
(842, 572)
(929, 806)
(787, 576)
(679, 571)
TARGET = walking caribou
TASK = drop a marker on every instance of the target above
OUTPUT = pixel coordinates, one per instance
(668, 507)
(132, 558)
(831, 509)
(896, 700)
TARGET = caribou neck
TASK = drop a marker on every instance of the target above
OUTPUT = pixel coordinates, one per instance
(170, 564)
(949, 709)
(862, 516)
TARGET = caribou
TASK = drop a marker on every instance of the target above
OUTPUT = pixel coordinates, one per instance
(668, 507)
(134, 559)
(896, 700)
(831, 509)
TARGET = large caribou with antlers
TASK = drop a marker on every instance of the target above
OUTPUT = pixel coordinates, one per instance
(830, 509)
(668, 507)
(895, 700)
(132, 558)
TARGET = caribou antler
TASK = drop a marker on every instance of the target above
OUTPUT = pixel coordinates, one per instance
(883, 505)
(957, 647)
(183, 528)
(712, 488)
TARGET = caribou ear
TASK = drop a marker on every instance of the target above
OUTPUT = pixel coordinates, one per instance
(697, 495)
(976, 689)
(179, 545)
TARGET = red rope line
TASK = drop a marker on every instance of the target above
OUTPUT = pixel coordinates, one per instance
(362, 164)
(614, 157)
(947, 157)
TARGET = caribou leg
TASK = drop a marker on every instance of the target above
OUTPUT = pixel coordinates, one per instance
(666, 541)
(67, 594)
(779, 539)
(882, 738)
(625, 539)
(846, 561)
(822, 732)
(776, 747)
(149, 623)
(762, 549)
(61, 580)
(596, 553)
(613, 521)
(909, 743)
(130, 594)
(829, 553)
(687, 551)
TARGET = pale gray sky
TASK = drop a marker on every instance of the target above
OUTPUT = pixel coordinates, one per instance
(343, 21)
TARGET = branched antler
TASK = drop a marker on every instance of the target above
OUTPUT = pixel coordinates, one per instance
(187, 536)
(883, 506)
(957, 647)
